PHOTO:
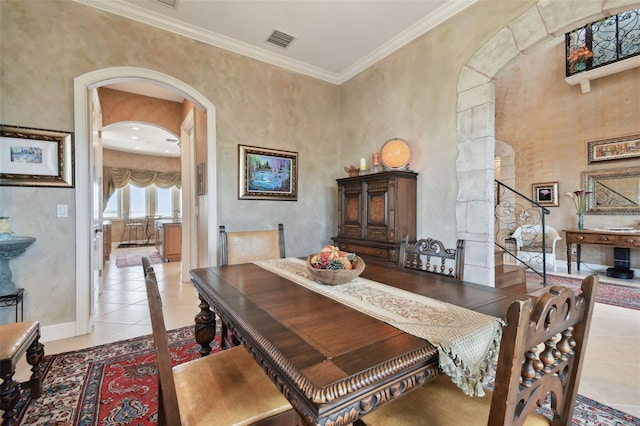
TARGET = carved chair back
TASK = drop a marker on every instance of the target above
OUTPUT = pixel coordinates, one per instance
(250, 246)
(430, 255)
(541, 354)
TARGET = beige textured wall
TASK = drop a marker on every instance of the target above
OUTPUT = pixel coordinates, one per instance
(121, 106)
(412, 95)
(548, 124)
(44, 45)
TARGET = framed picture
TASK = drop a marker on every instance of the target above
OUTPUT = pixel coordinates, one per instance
(201, 179)
(546, 194)
(35, 157)
(621, 148)
(267, 174)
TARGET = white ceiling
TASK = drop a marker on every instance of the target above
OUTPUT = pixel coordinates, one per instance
(140, 138)
(334, 40)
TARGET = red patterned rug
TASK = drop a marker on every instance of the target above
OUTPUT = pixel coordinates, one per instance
(115, 384)
(607, 293)
(112, 384)
(135, 259)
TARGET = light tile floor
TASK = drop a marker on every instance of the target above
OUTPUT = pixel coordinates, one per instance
(611, 373)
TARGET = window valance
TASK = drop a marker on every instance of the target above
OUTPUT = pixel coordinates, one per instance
(116, 177)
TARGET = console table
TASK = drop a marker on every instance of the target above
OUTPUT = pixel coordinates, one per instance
(603, 237)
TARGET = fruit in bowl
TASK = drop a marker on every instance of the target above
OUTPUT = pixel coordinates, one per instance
(333, 266)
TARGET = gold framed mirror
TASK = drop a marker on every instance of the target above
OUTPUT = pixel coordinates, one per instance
(613, 191)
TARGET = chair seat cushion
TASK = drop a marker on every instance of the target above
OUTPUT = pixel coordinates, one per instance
(226, 388)
(439, 403)
(16, 337)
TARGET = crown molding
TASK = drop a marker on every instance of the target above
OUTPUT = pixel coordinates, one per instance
(413, 32)
(145, 16)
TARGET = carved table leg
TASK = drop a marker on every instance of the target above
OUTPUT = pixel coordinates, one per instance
(35, 353)
(205, 329)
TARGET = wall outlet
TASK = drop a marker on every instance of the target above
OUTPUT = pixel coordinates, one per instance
(574, 252)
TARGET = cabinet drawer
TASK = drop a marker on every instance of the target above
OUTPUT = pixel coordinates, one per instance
(381, 253)
(594, 239)
(378, 234)
(627, 241)
(351, 231)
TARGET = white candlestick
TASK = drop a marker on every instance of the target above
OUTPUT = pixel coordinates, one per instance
(363, 163)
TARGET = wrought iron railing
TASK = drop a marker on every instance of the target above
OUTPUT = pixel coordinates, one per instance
(519, 225)
(603, 42)
(607, 196)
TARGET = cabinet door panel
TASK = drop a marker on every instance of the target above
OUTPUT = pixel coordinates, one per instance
(378, 207)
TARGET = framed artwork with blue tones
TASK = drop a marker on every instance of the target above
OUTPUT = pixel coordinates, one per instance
(267, 174)
(35, 157)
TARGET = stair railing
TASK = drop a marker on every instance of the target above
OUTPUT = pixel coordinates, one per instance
(512, 210)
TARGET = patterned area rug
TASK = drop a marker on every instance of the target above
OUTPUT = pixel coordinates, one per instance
(115, 384)
(607, 293)
(135, 259)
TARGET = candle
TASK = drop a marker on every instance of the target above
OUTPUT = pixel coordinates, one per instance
(376, 159)
(363, 164)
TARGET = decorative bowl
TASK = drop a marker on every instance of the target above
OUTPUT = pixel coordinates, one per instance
(336, 276)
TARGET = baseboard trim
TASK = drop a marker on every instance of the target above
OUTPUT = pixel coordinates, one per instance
(58, 331)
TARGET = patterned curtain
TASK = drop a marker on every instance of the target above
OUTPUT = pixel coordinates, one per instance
(115, 178)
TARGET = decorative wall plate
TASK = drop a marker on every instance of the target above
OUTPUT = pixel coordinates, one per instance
(395, 154)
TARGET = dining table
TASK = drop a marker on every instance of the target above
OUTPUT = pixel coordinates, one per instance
(333, 362)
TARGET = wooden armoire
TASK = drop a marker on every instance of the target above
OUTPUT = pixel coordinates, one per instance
(374, 212)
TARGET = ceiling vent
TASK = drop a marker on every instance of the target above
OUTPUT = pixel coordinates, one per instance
(280, 39)
(171, 3)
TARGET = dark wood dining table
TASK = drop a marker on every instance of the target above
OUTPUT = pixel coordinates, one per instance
(332, 362)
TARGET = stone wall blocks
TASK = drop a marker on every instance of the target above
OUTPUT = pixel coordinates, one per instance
(470, 78)
(464, 125)
(480, 252)
(477, 96)
(496, 54)
(475, 189)
(479, 274)
(461, 219)
(481, 216)
(484, 120)
(475, 155)
(528, 29)
(563, 16)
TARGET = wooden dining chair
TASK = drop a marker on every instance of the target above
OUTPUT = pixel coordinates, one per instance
(540, 361)
(430, 255)
(146, 264)
(134, 229)
(250, 246)
(244, 247)
(224, 388)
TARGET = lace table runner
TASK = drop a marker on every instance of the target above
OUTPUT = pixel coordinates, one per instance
(467, 341)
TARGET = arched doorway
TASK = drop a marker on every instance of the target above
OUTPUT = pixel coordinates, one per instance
(476, 118)
(84, 85)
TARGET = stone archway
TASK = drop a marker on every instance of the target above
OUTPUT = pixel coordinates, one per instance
(476, 117)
